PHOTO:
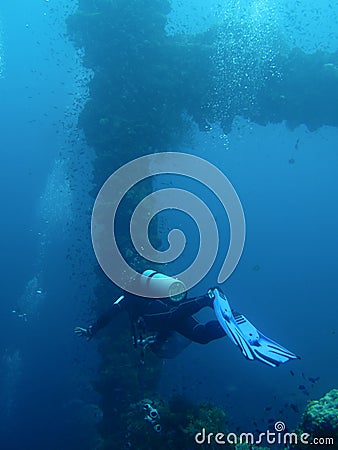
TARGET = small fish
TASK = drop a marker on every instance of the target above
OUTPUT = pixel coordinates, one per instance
(301, 387)
(314, 379)
(292, 161)
(292, 373)
(268, 408)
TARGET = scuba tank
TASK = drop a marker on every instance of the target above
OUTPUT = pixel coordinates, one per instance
(159, 285)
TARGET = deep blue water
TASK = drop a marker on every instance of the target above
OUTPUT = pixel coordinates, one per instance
(285, 282)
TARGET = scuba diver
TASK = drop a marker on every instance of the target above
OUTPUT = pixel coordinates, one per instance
(170, 319)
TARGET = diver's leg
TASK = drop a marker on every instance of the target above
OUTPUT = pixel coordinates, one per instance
(160, 316)
(198, 332)
(190, 307)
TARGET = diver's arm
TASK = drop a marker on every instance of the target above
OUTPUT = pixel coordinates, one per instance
(103, 320)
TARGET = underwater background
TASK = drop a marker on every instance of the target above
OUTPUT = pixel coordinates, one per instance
(252, 87)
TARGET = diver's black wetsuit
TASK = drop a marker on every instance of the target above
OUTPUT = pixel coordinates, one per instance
(165, 316)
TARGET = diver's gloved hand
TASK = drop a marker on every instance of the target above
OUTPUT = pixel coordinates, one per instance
(86, 332)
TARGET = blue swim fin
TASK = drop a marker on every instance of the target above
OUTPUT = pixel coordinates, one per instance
(252, 343)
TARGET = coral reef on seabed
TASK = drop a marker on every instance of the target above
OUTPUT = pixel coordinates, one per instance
(320, 423)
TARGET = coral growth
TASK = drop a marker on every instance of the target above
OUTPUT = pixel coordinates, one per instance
(180, 420)
(320, 421)
(321, 416)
